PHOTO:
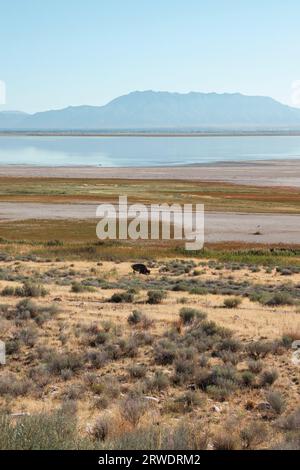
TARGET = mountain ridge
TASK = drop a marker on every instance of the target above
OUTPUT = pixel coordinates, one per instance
(160, 109)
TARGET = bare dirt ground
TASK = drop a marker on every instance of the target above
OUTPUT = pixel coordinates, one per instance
(262, 173)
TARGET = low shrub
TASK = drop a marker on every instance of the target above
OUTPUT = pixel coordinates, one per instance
(279, 298)
(28, 336)
(252, 434)
(58, 362)
(259, 349)
(156, 296)
(27, 309)
(8, 291)
(184, 370)
(30, 289)
(247, 378)
(101, 428)
(98, 359)
(107, 386)
(137, 371)
(291, 422)
(276, 401)
(226, 441)
(53, 431)
(255, 366)
(189, 400)
(188, 315)
(77, 288)
(229, 344)
(232, 302)
(268, 377)
(158, 382)
(164, 352)
(12, 385)
(132, 409)
(228, 357)
(122, 297)
(135, 317)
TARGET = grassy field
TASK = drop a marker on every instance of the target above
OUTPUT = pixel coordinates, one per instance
(76, 239)
(216, 196)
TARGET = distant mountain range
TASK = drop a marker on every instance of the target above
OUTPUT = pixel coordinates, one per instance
(150, 109)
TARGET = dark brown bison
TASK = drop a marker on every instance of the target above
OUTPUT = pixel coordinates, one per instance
(140, 268)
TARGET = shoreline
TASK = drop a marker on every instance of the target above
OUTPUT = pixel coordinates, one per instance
(148, 133)
(284, 172)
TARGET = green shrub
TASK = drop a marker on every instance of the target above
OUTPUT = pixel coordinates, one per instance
(291, 422)
(188, 315)
(232, 302)
(255, 366)
(164, 352)
(160, 381)
(28, 309)
(226, 441)
(229, 344)
(77, 288)
(53, 431)
(279, 298)
(135, 317)
(12, 385)
(268, 377)
(123, 297)
(248, 378)
(276, 401)
(58, 362)
(156, 296)
(228, 357)
(189, 400)
(8, 291)
(184, 370)
(98, 359)
(259, 349)
(137, 371)
(30, 289)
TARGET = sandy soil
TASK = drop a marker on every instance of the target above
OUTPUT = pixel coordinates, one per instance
(272, 228)
(262, 173)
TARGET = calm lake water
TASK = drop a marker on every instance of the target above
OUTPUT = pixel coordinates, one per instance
(143, 151)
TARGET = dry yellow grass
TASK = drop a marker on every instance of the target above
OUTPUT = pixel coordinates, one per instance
(250, 321)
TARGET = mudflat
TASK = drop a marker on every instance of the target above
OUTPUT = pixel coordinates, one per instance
(258, 173)
(229, 226)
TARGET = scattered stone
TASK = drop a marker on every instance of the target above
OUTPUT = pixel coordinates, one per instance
(216, 408)
(263, 406)
(156, 400)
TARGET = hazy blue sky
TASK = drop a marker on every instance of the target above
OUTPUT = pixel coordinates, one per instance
(55, 53)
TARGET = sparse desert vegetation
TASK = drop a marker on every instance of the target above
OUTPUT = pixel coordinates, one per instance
(101, 358)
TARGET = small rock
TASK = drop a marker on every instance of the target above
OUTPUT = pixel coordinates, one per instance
(156, 400)
(216, 408)
(263, 406)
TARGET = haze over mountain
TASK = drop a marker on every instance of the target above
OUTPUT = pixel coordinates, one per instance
(150, 109)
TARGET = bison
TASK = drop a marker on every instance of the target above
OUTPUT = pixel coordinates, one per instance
(140, 268)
